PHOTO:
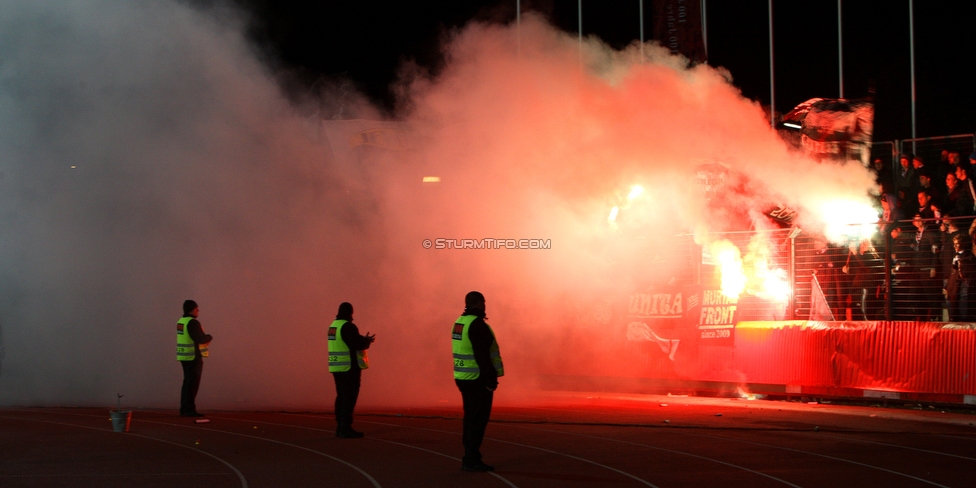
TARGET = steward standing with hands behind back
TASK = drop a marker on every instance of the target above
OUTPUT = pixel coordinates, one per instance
(477, 366)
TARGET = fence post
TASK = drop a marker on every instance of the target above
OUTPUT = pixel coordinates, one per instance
(896, 152)
(792, 273)
(887, 271)
(698, 263)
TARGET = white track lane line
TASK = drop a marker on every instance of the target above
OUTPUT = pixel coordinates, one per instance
(229, 465)
(879, 468)
(955, 437)
(736, 466)
(841, 459)
(296, 446)
(624, 473)
(364, 473)
(938, 453)
(502, 478)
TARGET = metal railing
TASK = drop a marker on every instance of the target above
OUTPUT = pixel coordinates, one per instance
(892, 278)
(930, 148)
(907, 276)
(886, 151)
(903, 277)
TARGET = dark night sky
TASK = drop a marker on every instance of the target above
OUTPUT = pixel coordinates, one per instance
(366, 41)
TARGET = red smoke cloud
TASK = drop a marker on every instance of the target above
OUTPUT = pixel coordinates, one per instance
(268, 218)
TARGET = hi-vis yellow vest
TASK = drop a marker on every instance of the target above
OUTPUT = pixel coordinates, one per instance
(339, 355)
(185, 350)
(465, 367)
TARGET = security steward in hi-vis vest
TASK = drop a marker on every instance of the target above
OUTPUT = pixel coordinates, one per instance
(191, 348)
(345, 343)
(477, 366)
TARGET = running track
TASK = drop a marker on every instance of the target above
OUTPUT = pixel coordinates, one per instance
(567, 441)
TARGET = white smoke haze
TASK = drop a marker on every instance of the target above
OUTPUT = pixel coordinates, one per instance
(147, 156)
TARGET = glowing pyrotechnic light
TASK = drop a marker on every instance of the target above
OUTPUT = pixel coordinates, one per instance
(432, 179)
(631, 218)
(730, 264)
(845, 220)
(635, 191)
(749, 274)
(775, 285)
(612, 218)
(745, 395)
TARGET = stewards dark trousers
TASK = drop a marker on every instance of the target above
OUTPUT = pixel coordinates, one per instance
(477, 400)
(347, 392)
(192, 371)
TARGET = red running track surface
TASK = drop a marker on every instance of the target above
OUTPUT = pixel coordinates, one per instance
(572, 440)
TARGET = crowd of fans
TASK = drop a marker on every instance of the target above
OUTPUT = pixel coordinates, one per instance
(927, 230)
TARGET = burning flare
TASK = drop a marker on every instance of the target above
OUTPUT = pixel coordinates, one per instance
(775, 285)
(623, 203)
(847, 220)
(750, 274)
(730, 265)
(612, 218)
(635, 191)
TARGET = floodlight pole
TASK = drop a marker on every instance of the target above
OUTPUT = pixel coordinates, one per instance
(911, 41)
(579, 11)
(772, 77)
(704, 22)
(518, 28)
(840, 49)
(642, 30)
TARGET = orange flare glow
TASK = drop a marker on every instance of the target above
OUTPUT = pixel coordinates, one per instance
(612, 218)
(750, 274)
(635, 191)
(775, 285)
(846, 220)
(730, 264)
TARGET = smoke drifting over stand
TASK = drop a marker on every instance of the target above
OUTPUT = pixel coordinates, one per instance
(147, 156)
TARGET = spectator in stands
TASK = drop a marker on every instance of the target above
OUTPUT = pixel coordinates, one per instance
(935, 196)
(928, 210)
(962, 272)
(883, 175)
(865, 268)
(949, 229)
(828, 261)
(918, 164)
(837, 296)
(920, 169)
(904, 177)
(962, 175)
(955, 162)
(972, 238)
(942, 169)
(904, 274)
(890, 215)
(927, 293)
(959, 200)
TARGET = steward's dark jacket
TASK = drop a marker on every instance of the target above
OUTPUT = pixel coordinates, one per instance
(481, 339)
(350, 335)
(196, 333)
